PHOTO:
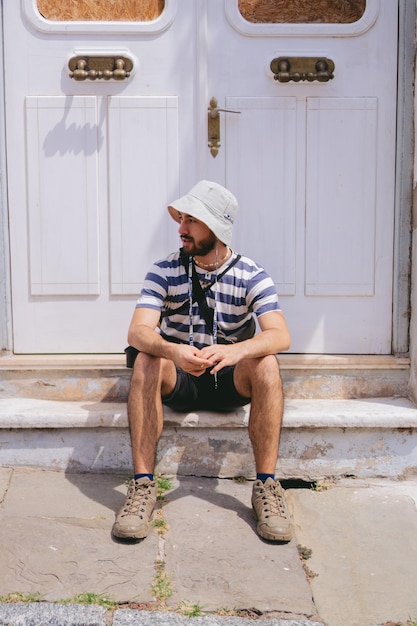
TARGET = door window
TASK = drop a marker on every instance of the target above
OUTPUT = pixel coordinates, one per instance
(301, 12)
(81, 10)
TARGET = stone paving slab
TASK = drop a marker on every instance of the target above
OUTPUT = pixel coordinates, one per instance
(218, 561)
(55, 539)
(363, 538)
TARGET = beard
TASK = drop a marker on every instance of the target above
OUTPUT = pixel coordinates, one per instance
(199, 248)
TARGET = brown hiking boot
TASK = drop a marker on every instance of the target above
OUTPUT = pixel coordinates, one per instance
(269, 508)
(133, 519)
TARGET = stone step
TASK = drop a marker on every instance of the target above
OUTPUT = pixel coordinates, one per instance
(105, 378)
(321, 438)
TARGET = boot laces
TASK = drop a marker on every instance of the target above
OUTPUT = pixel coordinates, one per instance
(137, 499)
(273, 501)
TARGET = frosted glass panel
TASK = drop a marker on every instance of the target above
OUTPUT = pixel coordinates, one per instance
(117, 10)
(302, 12)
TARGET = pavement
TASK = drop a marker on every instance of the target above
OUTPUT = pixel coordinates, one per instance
(352, 561)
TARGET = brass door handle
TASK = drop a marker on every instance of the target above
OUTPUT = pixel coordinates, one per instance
(215, 111)
(286, 69)
(100, 68)
(213, 116)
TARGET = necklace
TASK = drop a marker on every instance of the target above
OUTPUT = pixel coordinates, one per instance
(216, 263)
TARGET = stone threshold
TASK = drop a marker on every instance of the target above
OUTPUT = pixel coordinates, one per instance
(31, 413)
(25, 362)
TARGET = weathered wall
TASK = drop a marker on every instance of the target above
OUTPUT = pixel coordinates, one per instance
(413, 323)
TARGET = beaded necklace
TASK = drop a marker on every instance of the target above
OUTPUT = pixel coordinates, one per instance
(217, 262)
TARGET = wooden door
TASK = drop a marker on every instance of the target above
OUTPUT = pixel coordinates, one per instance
(92, 165)
(313, 163)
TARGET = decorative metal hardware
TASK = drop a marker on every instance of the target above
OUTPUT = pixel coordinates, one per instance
(100, 68)
(213, 116)
(286, 69)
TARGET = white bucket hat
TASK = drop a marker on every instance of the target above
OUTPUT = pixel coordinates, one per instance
(210, 203)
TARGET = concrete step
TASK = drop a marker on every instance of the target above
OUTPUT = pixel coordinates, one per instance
(321, 438)
(345, 415)
(97, 378)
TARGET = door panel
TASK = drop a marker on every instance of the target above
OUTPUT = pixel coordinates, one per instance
(143, 150)
(91, 166)
(63, 216)
(261, 162)
(341, 212)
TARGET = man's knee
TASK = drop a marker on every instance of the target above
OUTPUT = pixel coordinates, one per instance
(263, 367)
(146, 369)
(151, 372)
(258, 373)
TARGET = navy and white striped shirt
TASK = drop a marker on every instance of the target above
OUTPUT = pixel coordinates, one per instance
(245, 289)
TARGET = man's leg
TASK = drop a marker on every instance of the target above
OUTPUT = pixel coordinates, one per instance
(260, 380)
(152, 378)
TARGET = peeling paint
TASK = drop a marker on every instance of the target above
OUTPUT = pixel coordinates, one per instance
(316, 450)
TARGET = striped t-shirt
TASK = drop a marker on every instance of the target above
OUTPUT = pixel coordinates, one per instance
(245, 289)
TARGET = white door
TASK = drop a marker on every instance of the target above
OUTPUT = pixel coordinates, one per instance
(313, 164)
(93, 163)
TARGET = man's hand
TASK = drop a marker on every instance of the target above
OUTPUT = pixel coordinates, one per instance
(273, 338)
(221, 355)
(191, 360)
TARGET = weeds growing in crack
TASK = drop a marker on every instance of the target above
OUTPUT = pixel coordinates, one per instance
(189, 609)
(227, 612)
(305, 554)
(162, 584)
(410, 622)
(240, 480)
(164, 484)
(92, 598)
(159, 522)
(17, 596)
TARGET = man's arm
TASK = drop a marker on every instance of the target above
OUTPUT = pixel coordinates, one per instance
(142, 335)
(273, 338)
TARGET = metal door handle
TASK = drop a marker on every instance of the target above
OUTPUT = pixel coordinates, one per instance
(100, 67)
(286, 69)
(214, 125)
(215, 111)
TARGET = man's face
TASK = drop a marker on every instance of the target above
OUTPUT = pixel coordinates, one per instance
(197, 239)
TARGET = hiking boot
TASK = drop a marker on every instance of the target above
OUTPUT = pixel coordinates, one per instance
(269, 508)
(133, 519)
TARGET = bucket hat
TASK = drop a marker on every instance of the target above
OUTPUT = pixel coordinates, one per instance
(212, 204)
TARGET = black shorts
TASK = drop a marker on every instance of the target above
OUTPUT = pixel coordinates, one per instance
(199, 392)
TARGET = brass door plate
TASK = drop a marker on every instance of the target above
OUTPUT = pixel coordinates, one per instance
(286, 69)
(83, 67)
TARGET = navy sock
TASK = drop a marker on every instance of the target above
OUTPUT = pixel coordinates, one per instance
(137, 476)
(264, 477)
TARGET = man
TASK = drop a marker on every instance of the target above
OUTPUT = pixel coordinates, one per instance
(193, 327)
